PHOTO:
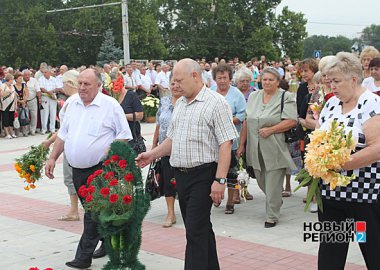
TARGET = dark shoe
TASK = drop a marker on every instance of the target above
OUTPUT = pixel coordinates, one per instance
(269, 224)
(78, 264)
(229, 209)
(99, 253)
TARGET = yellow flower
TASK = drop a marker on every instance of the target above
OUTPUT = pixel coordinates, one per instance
(26, 188)
(32, 186)
(32, 168)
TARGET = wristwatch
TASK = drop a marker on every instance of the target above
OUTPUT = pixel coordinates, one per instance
(221, 180)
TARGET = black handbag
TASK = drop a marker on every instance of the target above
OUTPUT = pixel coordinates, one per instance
(137, 143)
(23, 117)
(291, 135)
(153, 184)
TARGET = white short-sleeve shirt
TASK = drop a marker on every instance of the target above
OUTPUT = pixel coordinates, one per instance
(89, 130)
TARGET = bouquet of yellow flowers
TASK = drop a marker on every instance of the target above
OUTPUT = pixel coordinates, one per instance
(30, 165)
(326, 153)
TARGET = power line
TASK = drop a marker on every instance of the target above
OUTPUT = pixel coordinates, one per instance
(343, 24)
(76, 8)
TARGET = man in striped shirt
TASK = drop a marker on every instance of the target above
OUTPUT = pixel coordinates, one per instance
(199, 144)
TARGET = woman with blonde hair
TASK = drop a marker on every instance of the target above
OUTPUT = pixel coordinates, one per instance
(358, 110)
(366, 56)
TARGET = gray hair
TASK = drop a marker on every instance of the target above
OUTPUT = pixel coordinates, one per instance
(242, 73)
(347, 64)
(71, 77)
(324, 61)
(273, 71)
(317, 77)
(113, 75)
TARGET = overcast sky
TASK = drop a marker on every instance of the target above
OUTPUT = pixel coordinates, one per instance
(324, 16)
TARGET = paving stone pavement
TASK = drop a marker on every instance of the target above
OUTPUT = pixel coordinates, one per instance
(31, 236)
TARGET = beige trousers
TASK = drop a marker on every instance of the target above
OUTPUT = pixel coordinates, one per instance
(271, 182)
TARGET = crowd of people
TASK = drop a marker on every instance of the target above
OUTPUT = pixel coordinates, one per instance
(211, 114)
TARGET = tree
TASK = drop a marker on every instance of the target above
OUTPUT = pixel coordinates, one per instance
(371, 36)
(108, 51)
(327, 45)
(223, 28)
(291, 29)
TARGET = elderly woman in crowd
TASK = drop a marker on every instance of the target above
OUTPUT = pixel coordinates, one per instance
(8, 105)
(163, 118)
(373, 83)
(243, 81)
(222, 74)
(367, 54)
(359, 199)
(266, 149)
(70, 87)
(22, 94)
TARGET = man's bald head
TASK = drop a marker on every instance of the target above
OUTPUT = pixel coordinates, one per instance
(187, 75)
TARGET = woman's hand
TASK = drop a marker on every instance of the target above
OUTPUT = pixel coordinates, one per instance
(240, 151)
(265, 132)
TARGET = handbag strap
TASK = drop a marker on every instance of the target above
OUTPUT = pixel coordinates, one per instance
(282, 101)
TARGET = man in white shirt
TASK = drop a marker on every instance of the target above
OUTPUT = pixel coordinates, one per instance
(129, 80)
(151, 73)
(34, 98)
(162, 81)
(39, 73)
(146, 84)
(92, 122)
(136, 72)
(206, 78)
(48, 86)
(60, 92)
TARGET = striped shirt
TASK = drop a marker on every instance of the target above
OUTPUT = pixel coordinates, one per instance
(198, 129)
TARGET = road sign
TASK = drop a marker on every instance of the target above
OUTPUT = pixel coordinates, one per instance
(317, 54)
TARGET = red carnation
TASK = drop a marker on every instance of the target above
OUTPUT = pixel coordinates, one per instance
(114, 182)
(122, 163)
(90, 179)
(106, 162)
(82, 191)
(128, 177)
(109, 175)
(89, 198)
(127, 199)
(105, 191)
(114, 158)
(98, 172)
(114, 198)
(49, 268)
(173, 182)
(34, 268)
(91, 189)
(328, 96)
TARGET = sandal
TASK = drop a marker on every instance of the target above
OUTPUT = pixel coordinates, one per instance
(229, 209)
(216, 204)
(69, 218)
(286, 193)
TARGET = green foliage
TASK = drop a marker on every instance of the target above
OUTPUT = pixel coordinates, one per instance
(327, 45)
(371, 36)
(291, 28)
(108, 51)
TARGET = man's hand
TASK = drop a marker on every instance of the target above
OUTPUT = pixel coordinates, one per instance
(217, 192)
(144, 159)
(49, 168)
(240, 151)
(46, 144)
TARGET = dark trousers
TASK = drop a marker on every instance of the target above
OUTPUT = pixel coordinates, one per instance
(194, 188)
(332, 256)
(90, 236)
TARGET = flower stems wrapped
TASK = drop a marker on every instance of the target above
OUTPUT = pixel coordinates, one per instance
(326, 153)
